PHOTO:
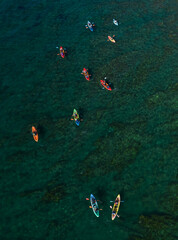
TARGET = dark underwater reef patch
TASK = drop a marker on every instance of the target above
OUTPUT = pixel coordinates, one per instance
(169, 203)
(162, 225)
(29, 193)
(157, 227)
(115, 151)
(17, 156)
(166, 98)
(51, 193)
(54, 194)
(151, 63)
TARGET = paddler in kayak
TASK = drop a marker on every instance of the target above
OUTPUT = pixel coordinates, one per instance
(62, 52)
(75, 116)
(106, 84)
(115, 208)
(115, 22)
(111, 39)
(86, 74)
(90, 26)
(34, 134)
(94, 205)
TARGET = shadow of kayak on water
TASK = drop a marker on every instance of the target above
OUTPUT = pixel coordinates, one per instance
(81, 113)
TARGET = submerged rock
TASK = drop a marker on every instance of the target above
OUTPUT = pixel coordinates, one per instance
(157, 227)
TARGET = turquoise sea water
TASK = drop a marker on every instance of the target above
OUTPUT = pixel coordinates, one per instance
(126, 142)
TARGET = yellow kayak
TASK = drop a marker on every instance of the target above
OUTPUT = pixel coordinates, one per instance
(111, 39)
(116, 206)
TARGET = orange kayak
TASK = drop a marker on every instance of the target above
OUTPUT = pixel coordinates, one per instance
(111, 39)
(35, 134)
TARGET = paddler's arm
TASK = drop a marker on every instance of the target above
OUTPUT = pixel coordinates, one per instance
(34, 133)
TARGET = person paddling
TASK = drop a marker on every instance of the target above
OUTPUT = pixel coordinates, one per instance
(106, 83)
(74, 117)
(34, 133)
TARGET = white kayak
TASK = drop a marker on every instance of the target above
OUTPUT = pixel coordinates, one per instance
(115, 22)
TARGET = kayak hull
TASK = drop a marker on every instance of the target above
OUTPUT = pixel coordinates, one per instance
(35, 137)
(94, 205)
(86, 74)
(62, 52)
(90, 26)
(115, 22)
(116, 206)
(107, 87)
(76, 117)
(111, 39)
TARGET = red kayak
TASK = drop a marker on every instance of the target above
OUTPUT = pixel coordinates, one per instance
(62, 52)
(86, 74)
(103, 82)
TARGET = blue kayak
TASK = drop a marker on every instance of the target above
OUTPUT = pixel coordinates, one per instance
(90, 26)
(94, 205)
(77, 122)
